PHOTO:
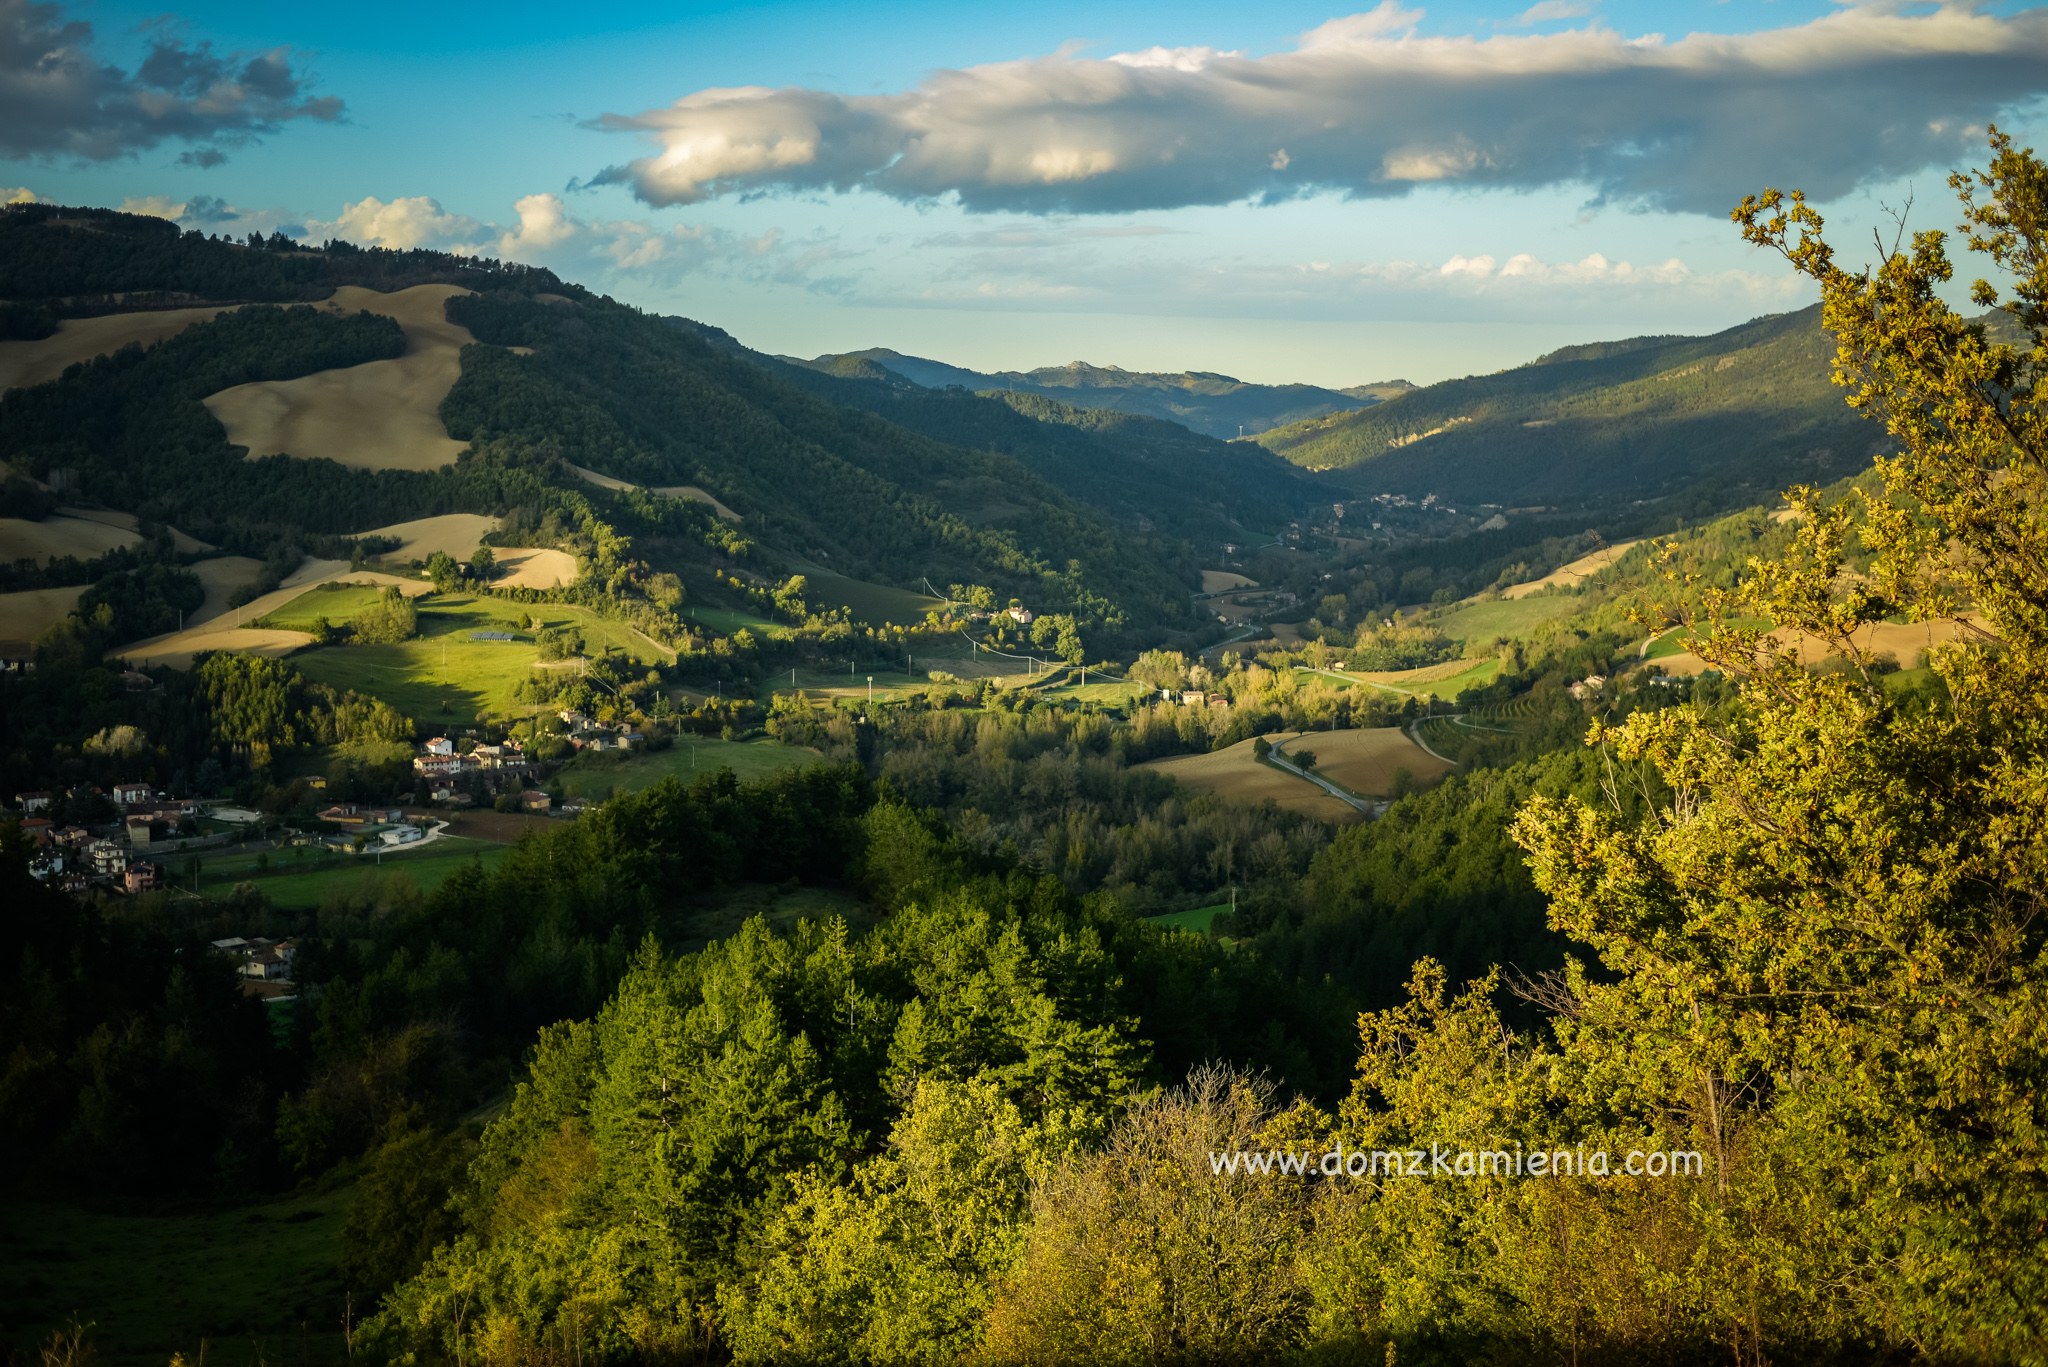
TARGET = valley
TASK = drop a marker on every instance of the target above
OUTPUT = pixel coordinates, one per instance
(537, 833)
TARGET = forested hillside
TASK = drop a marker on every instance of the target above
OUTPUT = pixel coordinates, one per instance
(1070, 523)
(1214, 405)
(1706, 423)
(1144, 472)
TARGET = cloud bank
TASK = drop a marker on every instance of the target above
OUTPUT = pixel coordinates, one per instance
(57, 100)
(1366, 107)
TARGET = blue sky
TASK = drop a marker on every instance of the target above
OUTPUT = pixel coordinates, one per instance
(1279, 192)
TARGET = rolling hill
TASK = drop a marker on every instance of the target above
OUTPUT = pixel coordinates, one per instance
(555, 409)
(1707, 423)
(1214, 405)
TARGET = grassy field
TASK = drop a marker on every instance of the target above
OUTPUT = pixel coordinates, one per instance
(1678, 641)
(1479, 622)
(1199, 920)
(336, 604)
(1115, 693)
(611, 773)
(304, 877)
(442, 677)
(239, 1286)
(726, 621)
(874, 603)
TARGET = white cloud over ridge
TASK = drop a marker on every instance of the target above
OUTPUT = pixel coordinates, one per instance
(546, 233)
(1366, 107)
(58, 100)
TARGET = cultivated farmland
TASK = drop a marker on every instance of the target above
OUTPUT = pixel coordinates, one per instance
(60, 535)
(383, 415)
(1572, 575)
(1369, 761)
(23, 364)
(1234, 772)
(689, 491)
(28, 613)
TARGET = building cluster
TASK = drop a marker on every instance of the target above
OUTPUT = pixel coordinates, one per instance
(109, 854)
(453, 777)
(586, 733)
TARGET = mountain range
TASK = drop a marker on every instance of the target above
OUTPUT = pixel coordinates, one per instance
(1213, 405)
(1699, 424)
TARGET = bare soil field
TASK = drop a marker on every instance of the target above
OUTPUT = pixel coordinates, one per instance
(1365, 761)
(689, 491)
(222, 575)
(1216, 581)
(527, 567)
(180, 647)
(27, 614)
(183, 544)
(384, 415)
(1902, 641)
(504, 828)
(23, 364)
(1235, 773)
(1573, 574)
(58, 535)
(459, 534)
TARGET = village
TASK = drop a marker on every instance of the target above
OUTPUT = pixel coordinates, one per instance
(93, 842)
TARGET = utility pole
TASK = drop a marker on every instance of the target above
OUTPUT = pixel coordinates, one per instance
(871, 690)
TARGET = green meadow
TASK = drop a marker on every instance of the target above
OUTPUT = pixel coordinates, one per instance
(337, 604)
(444, 678)
(305, 877)
(612, 772)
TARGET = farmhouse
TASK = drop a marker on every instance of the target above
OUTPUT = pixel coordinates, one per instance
(534, 800)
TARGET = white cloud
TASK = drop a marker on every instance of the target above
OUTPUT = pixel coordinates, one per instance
(18, 194)
(400, 224)
(1365, 106)
(546, 233)
(154, 206)
(1551, 11)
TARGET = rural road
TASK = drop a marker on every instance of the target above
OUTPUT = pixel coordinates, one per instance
(1370, 809)
(1415, 734)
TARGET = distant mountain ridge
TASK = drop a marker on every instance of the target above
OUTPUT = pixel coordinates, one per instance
(1707, 423)
(1212, 404)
